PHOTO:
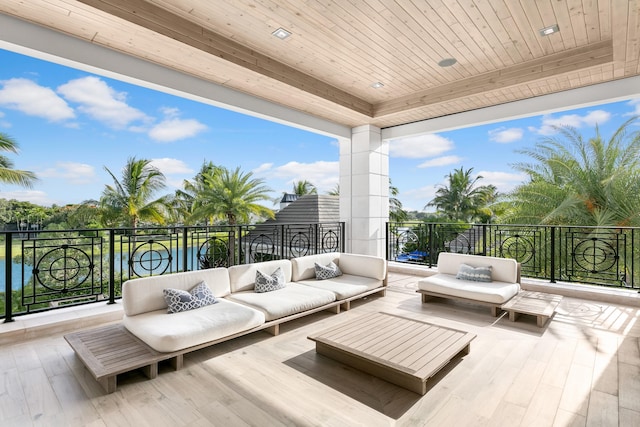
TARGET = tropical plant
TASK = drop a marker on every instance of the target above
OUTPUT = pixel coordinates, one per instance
(8, 175)
(462, 199)
(335, 191)
(396, 213)
(182, 204)
(573, 180)
(304, 187)
(231, 196)
(131, 199)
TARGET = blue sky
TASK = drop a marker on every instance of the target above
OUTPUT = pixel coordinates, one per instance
(71, 124)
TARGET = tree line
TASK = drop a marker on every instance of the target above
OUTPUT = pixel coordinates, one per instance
(571, 180)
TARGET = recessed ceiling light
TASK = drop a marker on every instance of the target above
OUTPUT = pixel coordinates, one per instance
(281, 33)
(377, 85)
(546, 31)
(447, 62)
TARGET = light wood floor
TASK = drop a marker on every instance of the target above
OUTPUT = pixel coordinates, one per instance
(582, 369)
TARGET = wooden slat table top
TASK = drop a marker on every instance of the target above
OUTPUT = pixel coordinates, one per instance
(533, 303)
(406, 345)
(112, 350)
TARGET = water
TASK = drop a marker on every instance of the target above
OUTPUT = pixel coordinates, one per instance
(16, 268)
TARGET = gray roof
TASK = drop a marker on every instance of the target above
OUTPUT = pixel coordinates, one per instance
(309, 209)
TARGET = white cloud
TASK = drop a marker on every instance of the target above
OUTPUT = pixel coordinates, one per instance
(73, 173)
(504, 135)
(174, 129)
(420, 146)
(504, 181)
(171, 166)
(417, 198)
(101, 102)
(262, 168)
(32, 99)
(324, 175)
(441, 161)
(573, 120)
(635, 103)
(36, 197)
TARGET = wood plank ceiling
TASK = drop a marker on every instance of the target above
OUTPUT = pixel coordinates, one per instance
(339, 48)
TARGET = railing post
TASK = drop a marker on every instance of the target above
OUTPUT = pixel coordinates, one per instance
(386, 241)
(185, 257)
(342, 234)
(112, 265)
(484, 239)
(553, 255)
(431, 246)
(8, 276)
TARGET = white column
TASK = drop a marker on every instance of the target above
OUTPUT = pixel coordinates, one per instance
(364, 190)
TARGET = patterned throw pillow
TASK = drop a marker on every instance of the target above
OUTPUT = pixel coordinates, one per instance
(328, 271)
(179, 300)
(266, 283)
(475, 274)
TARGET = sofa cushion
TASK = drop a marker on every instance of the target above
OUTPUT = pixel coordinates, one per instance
(324, 272)
(292, 299)
(270, 283)
(171, 332)
(243, 277)
(146, 293)
(303, 268)
(178, 300)
(492, 292)
(345, 286)
(475, 274)
(502, 269)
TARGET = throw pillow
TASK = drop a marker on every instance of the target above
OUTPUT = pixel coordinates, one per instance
(178, 300)
(328, 271)
(475, 274)
(266, 283)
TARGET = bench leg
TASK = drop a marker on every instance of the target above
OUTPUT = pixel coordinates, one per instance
(346, 306)
(108, 383)
(177, 362)
(494, 311)
(335, 309)
(273, 330)
(151, 371)
(513, 315)
(542, 320)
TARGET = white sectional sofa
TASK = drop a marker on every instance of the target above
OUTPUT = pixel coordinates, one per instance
(240, 309)
(503, 285)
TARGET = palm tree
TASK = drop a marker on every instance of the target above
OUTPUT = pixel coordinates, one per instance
(131, 199)
(580, 182)
(9, 175)
(396, 213)
(183, 201)
(462, 198)
(335, 191)
(304, 187)
(230, 195)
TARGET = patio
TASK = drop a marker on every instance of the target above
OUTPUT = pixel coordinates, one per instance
(583, 368)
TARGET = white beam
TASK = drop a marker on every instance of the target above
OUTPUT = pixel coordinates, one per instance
(43, 43)
(617, 90)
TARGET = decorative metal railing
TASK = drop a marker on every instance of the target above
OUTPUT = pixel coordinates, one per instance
(44, 270)
(604, 256)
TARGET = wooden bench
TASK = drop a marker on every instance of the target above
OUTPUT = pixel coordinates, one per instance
(111, 350)
(403, 351)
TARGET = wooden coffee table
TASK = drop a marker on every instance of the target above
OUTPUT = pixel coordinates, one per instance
(539, 304)
(403, 351)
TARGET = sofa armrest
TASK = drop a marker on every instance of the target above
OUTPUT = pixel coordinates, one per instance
(364, 265)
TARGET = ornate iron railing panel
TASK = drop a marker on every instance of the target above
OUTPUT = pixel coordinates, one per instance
(604, 256)
(64, 267)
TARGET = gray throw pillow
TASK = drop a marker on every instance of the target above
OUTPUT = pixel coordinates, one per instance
(324, 272)
(178, 300)
(475, 274)
(266, 283)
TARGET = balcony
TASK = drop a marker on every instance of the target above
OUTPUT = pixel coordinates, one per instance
(583, 368)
